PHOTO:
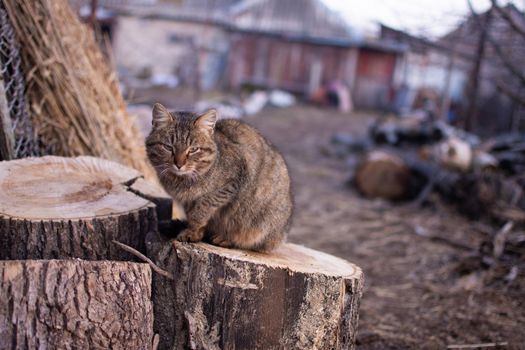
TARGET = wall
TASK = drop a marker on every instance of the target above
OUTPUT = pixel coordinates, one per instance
(296, 66)
(431, 70)
(375, 71)
(168, 46)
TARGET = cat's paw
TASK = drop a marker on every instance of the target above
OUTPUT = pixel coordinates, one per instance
(191, 235)
(221, 241)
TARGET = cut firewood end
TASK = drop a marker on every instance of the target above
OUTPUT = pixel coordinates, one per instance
(54, 208)
(383, 175)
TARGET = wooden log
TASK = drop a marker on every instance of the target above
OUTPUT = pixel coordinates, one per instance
(74, 304)
(475, 194)
(383, 175)
(454, 154)
(56, 208)
(292, 298)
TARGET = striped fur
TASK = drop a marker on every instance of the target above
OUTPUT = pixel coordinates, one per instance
(233, 184)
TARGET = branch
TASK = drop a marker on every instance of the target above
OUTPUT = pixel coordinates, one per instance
(505, 59)
(145, 259)
(517, 28)
(499, 51)
(500, 238)
(504, 89)
(477, 346)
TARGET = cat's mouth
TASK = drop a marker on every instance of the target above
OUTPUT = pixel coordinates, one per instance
(183, 172)
(174, 171)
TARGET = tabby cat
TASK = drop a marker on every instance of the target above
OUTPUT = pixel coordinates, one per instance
(233, 185)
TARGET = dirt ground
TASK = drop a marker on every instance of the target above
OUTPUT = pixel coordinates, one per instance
(420, 292)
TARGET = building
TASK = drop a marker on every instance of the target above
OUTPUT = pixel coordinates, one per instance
(187, 40)
(287, 44)
(427, 68)
(299, 46)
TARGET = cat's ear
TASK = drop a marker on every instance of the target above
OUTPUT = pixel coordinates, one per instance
(207, 120)
(161, 116)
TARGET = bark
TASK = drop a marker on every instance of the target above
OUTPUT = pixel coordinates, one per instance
(73, 304)
(292, 298)
(57, 208)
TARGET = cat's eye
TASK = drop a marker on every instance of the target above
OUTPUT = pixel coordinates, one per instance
(193, 150)
(166, 146)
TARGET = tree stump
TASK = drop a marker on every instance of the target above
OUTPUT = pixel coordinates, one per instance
(73, 304)
(56, 208)
(292, 298)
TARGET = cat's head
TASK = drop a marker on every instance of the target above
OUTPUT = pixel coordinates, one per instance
(181, 143)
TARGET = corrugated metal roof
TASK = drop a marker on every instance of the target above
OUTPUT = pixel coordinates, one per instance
(210, 4)
(295, 20)
(307, 18)
(299, 18)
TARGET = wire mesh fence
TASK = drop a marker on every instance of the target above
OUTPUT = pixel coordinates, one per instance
(25, 143)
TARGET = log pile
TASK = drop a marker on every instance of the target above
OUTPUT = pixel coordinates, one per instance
(71, 209)
(97, 218)
(385, 175)
(409, 158)
(426, 162)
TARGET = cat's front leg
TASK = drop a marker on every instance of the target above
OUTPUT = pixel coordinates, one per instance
(194, 232)
(202, 210)
(196, 224)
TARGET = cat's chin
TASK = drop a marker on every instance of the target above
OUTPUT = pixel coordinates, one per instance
(185, 174)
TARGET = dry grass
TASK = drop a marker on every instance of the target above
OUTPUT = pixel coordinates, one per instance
(73, 94)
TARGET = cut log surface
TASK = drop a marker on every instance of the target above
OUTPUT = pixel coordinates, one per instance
(383, 175)
(55, 208)
(73, 304)
(292, 298)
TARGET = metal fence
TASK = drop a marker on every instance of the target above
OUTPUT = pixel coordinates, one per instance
(19, 121)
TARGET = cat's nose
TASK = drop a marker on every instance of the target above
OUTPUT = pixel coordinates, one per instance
(179, 163)
(180, 160)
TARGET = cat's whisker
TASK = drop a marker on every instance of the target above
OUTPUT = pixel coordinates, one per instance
(164, 171)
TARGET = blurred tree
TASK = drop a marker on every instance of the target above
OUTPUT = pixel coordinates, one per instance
(501, 43)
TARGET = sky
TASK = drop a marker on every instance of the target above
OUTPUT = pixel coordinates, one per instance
(430, 18)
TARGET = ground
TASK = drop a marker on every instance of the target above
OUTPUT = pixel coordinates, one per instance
(420, 292)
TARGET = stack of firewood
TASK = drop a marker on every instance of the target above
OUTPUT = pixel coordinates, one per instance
(409, 158)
